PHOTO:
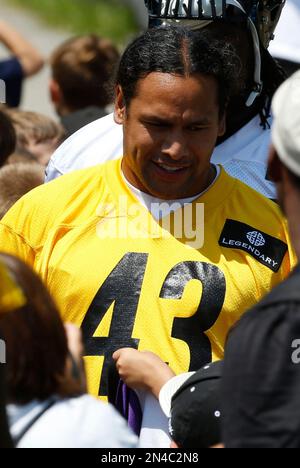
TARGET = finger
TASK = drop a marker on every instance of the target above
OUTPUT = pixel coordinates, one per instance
(116, 354)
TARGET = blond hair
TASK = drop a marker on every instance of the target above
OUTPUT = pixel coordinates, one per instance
(16, 180)
(36, 126)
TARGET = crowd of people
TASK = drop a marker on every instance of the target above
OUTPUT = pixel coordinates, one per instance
(157, 266)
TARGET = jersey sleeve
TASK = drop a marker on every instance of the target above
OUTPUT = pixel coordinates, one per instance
(15, 244)
(18, 231)
(96, 143)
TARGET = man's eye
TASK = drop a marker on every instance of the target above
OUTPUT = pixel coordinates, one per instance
(156, 124)
(195, 128)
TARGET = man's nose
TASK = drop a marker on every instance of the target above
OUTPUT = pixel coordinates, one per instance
(175, 146)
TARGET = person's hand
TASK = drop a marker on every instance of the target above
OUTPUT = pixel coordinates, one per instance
(142, 369)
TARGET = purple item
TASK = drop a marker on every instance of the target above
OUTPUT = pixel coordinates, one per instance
(128, 405)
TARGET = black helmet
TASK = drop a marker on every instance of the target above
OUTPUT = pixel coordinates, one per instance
(264, 13)
(262, 17)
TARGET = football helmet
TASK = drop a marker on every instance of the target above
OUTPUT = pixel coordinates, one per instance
(262, 17)
(264, 13)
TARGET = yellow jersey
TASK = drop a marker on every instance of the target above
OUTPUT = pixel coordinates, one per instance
(128, 281)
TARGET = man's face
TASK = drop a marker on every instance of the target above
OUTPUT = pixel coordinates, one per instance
(170, 130)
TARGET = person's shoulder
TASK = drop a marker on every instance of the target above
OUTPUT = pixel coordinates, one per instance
(241, 202)
(68, 180)
(258, 221)
(250, 192)
(90, 416)
(66, 201)
(249, 143)
(252, 198)
(83, 184)
(87, 404)
(97, 142)
(66, 187)
(79, 422)
(85, 136)
(101, 125)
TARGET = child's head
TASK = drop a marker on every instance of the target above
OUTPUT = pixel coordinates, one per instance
(7, 137)
(82, 72)
(36, 133)
(38, 346)
(16, 180)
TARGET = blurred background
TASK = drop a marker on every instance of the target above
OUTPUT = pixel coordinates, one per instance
(47, 23)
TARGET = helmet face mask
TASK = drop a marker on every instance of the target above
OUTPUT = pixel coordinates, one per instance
(186, 9)
(259, 16)
(264, 13)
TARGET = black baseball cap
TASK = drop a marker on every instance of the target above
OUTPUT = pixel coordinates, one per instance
(193, 404)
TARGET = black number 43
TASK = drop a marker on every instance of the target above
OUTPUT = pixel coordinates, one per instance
(123, 289)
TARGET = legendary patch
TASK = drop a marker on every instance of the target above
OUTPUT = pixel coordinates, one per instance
(266, 249)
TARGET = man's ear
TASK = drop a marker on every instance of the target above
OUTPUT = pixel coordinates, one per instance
(55, 92)
(120, 108)
(274, 172)
(222, 125)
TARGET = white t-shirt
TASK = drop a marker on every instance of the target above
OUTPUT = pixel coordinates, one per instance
(286, 44)
(244, 155)
(155, 425)
(160, 208)
(82, 422)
